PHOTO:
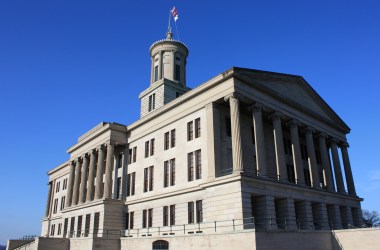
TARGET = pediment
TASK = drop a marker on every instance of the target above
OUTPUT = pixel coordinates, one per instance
(295, 90)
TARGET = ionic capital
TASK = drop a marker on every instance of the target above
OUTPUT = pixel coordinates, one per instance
(344, 145)
(233, 96)
(276, 115)
(307, 130)
(256, 107)
(293, 123)
(322, 135)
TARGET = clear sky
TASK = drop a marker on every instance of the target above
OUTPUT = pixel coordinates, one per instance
(65, 66)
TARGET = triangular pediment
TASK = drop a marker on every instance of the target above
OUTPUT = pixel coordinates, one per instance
(295, 90)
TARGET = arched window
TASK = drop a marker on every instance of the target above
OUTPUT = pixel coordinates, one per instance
(160, 245)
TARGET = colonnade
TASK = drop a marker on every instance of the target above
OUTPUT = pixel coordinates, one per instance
(88, 172)
(295, 127)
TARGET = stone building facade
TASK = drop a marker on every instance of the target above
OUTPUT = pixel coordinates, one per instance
(259, 149)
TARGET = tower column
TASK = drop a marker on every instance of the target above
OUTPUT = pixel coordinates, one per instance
(347, 170)
(279, 147)
(237, 153)
(108, 175)
(70, 185)
(91, 177)
(261, 161)
(99, 173)
(296, 152)
(337, 169)
(78, 167)
(312, 159)
(82, 192)
(326, 161)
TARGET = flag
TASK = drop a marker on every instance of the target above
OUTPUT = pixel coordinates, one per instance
(174, 13)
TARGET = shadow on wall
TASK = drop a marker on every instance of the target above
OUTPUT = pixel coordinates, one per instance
(336, 244)
(297, 240)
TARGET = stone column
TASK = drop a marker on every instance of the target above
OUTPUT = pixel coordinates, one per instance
(286, 216)
(237, 153)
(357, 216)
(70, 184)
(279, 147)
(347, 219)
(108, 177)
(296, 152)
(265, 217)
(115, 175)
(320, 216)
(337, 169)
(325, 161)
(78, 167)
(312, 159)
(124, 177)
(47, 211)
(99, 173)
(347, 170)
(91, 177)
(261, 161)
(83, 183)
(304, 215)
(160, 66)
(173, 65)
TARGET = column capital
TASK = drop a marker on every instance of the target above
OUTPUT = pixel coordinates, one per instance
(344, 144)
(91, 151)
(308, 130)
(233, 95)
(334, 140)
(100, 147)
(322, 135)
(276, 115)
(78, 160)
(294, 122)
(257, 106)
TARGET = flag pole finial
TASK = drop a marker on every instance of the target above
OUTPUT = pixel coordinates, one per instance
(169, 34)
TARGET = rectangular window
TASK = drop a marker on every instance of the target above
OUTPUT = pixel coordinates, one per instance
(166, 141)
(130, 220)
(96, 224)
(65, 227)
(199, 209)
(120, 162)
(190, 166)
(131, 184)
(72, 226)
(118, 187)
(173, 138)
(152, 102)
(64, 184)
(198, 163)
(130, 156)
(59, 229)
(165, 216)
(190, 131)
(57, 187)
(55, 206)
(79, 226)
(87, 225)
(172, 172)
(172, 215)
(228, 126)
(190, 212)
(134, 154)
(166, 173)
(63, 200)
(197, 127)
(152, 146)
(52, 230)
(156, 73)
(145, 179)
(144, 218)
(151, 172)
(146, 149)
(150, 217)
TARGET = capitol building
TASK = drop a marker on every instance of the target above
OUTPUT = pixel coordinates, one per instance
(244, 153)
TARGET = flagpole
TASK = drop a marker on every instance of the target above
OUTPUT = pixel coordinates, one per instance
(170, 13)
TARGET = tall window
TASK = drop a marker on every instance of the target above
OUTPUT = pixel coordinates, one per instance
(59, 229)
(144, 218)
(152, 146)
(131, 184)
(190, 166)
(149, 148)
(152, 102)
(87, 225)
(150, 217)
(156, 73)
(169, 173)
(96, 223)
(130, 220)
(190, 212)
(120, 160)
(52, 231)
(146, 149)
(57, 187)
(198, 163)
(166, 141)
(55, 206)
(172, 141)
(199, 208)
(129, 156)
(134, 154)
(64, 185)
(148, 178)
(165, 216)
(190, 131)
(79, 226)
(197, 127)
(63, 200)
(172, 215)
(177, 68)
(191, 158)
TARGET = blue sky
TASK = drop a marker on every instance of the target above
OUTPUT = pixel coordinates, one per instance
(67, 65)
